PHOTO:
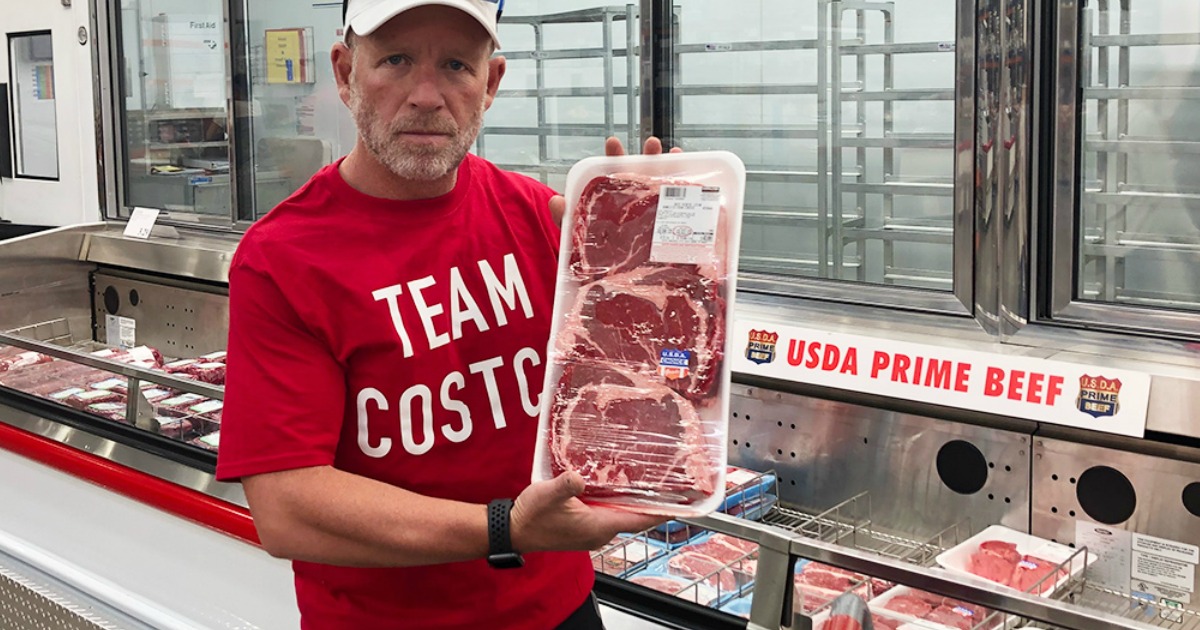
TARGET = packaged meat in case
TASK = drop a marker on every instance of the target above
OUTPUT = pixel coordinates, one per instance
(1016, 560)
(637, 389)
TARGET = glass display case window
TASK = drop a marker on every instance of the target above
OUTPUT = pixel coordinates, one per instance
(35, 124)
(1139, 215)
(845, 116)
(173, 111)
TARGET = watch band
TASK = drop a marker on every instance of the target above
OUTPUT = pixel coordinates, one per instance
(501, 554)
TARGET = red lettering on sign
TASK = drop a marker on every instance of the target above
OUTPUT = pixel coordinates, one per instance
(879, 363)
(993, 384)
(795, 352)
(1016, 381)
(900, 368)
(918, 368)
(850, 363)
(814, 355)
(938, 374)
(962, 377)
(832, 356)
(1056, 385)
(1035, 388)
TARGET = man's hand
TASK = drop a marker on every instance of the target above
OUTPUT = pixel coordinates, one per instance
(613, 147)
(548, 517)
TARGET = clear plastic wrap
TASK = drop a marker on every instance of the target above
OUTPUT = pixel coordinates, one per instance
(636, 393)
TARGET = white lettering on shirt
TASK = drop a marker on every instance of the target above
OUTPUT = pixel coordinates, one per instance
(488, 369)
(390, 294)
(364, 437)
(506, 294)
(427, 312)
(460, 394)
(463, 307)
(532, 407)
(450, 404)
(406, 420)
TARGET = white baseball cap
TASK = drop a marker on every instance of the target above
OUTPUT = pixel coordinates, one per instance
(364, 16)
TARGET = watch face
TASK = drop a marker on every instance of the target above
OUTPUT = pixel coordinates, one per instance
(506, 560)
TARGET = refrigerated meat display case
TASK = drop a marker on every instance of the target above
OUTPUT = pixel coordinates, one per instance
(990, 203)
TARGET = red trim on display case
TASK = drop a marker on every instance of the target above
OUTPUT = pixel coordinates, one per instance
(200, 508)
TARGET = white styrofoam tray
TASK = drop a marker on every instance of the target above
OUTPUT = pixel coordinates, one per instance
(957, 558)
(877, 606)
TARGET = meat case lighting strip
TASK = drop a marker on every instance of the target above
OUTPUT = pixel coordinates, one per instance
(218, 515)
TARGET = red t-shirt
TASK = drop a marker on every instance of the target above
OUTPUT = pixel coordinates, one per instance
(403, 341)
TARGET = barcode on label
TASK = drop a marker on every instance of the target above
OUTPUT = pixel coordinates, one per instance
(674, 192)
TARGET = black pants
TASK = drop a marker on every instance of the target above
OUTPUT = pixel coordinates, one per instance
(586, 617)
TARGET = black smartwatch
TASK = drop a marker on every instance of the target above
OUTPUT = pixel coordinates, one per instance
(501, 554)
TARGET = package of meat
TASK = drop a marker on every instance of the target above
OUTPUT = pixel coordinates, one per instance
(19, 360)
(683, 588)
(210, 442)
(934, 611)
(175, 428)
(816, 584)
(213, 357)
(210, 372)
(111, 410)
(1016, 560)
(748, 494)
(637, 386)
(179, 404)
(182, 365)
(627, 554)
(88, 397)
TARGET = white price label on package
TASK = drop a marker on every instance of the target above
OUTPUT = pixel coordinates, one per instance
(141, 222)
(685, 226)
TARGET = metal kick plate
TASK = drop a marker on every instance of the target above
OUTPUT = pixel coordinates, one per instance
(25, 606)
(1158, 487)
(179, 321)
(826, 452)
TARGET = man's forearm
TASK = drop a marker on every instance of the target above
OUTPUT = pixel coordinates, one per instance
(332, 517)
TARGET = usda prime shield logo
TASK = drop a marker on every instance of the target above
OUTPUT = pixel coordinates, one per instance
(761, 348)
(1099, 397)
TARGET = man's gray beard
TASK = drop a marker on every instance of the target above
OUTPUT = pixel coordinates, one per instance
(418, 163)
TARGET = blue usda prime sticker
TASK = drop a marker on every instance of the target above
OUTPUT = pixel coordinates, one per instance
(673, 364)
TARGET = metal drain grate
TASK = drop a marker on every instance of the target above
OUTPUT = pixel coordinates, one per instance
(27, 606)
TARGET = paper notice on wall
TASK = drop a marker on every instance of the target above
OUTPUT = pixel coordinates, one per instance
(1111, 549)
(120, 331)
(1163, 570)
(1182, 552)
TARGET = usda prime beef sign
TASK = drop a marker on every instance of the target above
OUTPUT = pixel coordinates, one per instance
(1056, 392)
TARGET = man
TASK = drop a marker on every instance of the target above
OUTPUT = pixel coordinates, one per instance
(388, 325)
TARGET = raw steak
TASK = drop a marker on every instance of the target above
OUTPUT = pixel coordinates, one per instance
(699, 593)
(696, 566)
(909, 605)
(85, 398)
(631, 319)
(628, 435)
(19, 360)
(724, 548)
(207, 372)
(614, 224)
(995, 560)
(666, 585)
(1031, 569)
(623, 554)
